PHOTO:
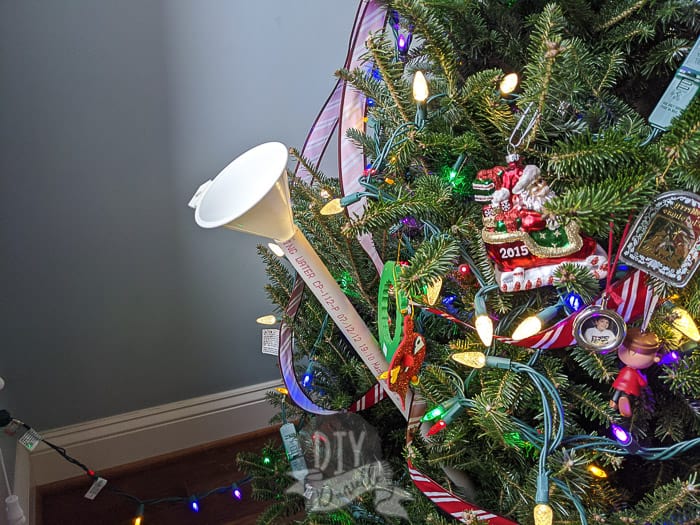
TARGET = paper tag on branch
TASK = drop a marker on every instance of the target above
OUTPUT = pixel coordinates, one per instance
(271, 341)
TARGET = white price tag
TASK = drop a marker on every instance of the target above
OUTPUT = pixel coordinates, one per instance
(95, 488)
(30, 439)
(271, 341)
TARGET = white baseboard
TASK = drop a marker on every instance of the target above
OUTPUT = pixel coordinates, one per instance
(135, 436)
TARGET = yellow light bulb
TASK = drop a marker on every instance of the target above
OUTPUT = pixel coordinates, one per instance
(528, 327)
(274, 248)
(543, 514)
(472, 359)
(137, 520)
(509, 83)
(484, 327)
(597, 471)
(266, 319)
(420, 87)
(432, 292)
(683, 322)
(282, 390)
(332, 207)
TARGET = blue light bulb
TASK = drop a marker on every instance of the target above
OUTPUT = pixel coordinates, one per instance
(574, 302)
(307, 379)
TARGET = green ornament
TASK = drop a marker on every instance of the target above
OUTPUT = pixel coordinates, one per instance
(388, 342)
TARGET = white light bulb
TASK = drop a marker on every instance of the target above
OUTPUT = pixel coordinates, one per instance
(528, 327)
(267, 319)
(420, 87)
(484, 327)
(509, 83)
(274, 248)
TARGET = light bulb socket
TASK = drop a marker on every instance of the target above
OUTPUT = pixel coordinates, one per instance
(549, 314)
(352, 198)
(452, 413)
(498, 362)
(542, 493)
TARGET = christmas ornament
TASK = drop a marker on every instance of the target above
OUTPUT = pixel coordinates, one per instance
(597, 328)
(665, 238)
(638, 352)
(387, 286)
(407, 360)
(524, 241)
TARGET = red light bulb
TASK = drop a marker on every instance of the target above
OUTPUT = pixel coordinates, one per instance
(437, 427)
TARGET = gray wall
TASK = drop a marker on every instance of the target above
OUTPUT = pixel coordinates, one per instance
(111, 115)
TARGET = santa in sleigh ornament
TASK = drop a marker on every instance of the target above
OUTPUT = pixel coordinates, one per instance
(525, 243)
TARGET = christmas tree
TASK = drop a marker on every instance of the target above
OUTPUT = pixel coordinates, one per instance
(539, 240)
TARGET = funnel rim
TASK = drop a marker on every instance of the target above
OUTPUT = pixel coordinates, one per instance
(278, 156)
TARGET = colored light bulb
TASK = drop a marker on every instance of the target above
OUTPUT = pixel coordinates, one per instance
(440, 410)
(434, 413)
(574, 301)
(623, 437)
(597, 471)
(194, 504)
(237, 493)
(266, 460)
(306, 379)
(401, 43)
(437, 427)
(464, 269)
(670, 357)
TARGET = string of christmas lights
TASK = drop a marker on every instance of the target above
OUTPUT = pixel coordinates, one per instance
(30, 438)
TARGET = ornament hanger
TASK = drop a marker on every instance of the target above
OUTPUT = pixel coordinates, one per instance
(514, 142)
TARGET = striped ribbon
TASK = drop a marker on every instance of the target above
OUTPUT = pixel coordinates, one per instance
(451, 504)
(372, 17)
(345, 109)
(286, 355)
(286, 362)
